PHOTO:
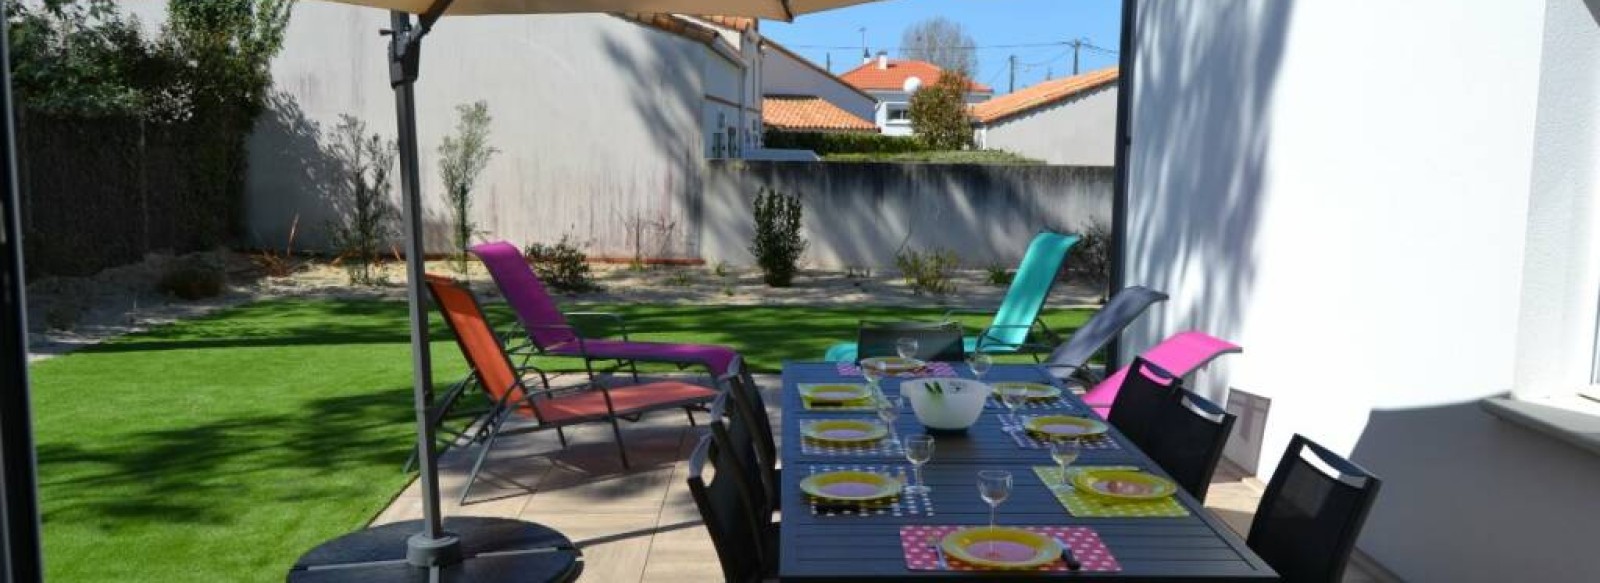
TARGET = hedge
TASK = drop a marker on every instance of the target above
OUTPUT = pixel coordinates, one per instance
(824, 143)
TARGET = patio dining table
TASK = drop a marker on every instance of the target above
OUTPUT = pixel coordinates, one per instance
(826, 546)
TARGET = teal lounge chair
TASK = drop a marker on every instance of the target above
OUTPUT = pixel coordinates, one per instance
(1016, 327)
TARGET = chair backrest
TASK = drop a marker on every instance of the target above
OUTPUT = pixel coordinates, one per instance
(724, 511)
(731, 429)
(1188, 438)
(1180, 354)
(1308, 521)
(535, 308)
(746, 398)
(936, 341)
(1122, 310)
(1036, 275)
(477, 341)
(1141, 401)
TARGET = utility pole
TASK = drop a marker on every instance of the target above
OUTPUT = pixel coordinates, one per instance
(1013, 85)
(830, 62)
(865, 55)
(1077, 43)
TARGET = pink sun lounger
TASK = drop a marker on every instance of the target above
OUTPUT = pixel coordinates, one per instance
(1180, 354)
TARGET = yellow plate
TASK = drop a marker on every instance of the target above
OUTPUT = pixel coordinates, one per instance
(834, 393)
(1123, 485)
(849, 486)
(843, 431)
(1065, 427)
(1036, 391)
(1001, 547)
(894, 364)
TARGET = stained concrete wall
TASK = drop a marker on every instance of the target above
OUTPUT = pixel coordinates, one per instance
(860, 214)
(1081, 131)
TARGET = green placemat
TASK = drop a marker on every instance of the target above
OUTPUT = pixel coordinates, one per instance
(1090, 506)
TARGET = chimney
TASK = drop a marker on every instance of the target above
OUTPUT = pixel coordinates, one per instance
(883, 60)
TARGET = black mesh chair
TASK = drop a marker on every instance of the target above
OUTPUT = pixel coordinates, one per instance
(936, 341)
(1190, 432)
(747, 552)
(1144, 394)
(731, 431)
(1308, 520)
(1070, 359)
(751, 409)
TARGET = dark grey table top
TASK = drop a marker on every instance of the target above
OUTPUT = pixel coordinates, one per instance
(1198, 547)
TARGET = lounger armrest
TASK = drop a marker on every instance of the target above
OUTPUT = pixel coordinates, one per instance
(614, 317)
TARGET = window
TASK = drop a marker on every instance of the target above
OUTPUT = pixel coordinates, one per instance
(899, 113)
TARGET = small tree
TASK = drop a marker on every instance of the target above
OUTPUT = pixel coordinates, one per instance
(461, 159)
(939, 113)
(778, 243)
(367, 223)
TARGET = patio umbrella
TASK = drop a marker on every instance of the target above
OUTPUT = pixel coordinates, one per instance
(492, 548)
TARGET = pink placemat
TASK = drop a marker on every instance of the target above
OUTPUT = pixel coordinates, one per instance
(1085, 543)
(932, 369)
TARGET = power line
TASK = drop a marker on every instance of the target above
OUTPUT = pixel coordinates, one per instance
(1068, 43)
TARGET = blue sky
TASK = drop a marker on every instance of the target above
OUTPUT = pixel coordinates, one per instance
(990, 22)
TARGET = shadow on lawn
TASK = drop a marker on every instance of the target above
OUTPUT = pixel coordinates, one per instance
(181, 475)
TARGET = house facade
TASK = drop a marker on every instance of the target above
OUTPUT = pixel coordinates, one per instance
(1070, 121)
(809, 97)
(1413, 273)
(892, 81)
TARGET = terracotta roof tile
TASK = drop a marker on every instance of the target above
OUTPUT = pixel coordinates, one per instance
(739, 23)
(869, 77)
(806, 113)
(1048, 92)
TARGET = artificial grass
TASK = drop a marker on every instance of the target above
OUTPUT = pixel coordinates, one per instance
(221, 448)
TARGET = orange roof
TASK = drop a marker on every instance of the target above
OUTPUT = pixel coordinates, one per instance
(1046, 93)
(807, 113)
(739, 23)
(869, 77)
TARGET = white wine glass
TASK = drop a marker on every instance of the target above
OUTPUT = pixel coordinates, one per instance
(874, 373)
(889, 411)
(919, 449)
(994, 486)
(1064, 452)
(906, 348)
(980, 362)
(1013, 396)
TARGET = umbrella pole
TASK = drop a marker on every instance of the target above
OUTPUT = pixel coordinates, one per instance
(431, 546)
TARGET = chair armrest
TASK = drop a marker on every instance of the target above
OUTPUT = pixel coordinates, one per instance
(614, 317)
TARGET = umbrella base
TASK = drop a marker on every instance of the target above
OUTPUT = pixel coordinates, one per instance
(491, 549)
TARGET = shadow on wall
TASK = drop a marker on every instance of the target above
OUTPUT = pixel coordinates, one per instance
(1508, 492)
(1204, 84)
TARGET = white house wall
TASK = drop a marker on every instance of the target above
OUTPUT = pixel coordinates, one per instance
(1080, 131)
(1343, 188)
(783, 74)
(597, 119)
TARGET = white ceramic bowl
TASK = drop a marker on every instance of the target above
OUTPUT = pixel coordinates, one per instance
(956, 409)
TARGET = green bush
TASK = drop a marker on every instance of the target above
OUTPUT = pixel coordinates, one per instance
(1091, 257)
(824, 144)
(366, 221)
(998, 275)
(193, 278)
(928, 273)
(778, 243)
(561, 266)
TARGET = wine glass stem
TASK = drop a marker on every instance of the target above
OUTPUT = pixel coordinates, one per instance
(917, 470)
(992, 507)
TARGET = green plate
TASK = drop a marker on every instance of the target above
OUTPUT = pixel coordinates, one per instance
(1036, 391)
(894, 364)
(1123, 485)
(1001, 547)
(1064, 427)
(834, 392)
(843, 431)
(850, 486)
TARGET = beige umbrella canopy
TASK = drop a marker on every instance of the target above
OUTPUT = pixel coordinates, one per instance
(475, 549)
(770, 9)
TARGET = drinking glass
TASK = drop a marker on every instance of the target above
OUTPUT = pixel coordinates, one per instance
(980, 363)
(919, 449)
(1064, 451)
(906, 347)
(1013, 396)
(889, 411)
(874, 374)
(994, 486)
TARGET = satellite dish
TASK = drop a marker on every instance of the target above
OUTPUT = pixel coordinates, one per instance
(912, 84)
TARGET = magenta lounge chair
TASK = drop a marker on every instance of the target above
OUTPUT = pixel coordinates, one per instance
(549, 334)
(1180, 354)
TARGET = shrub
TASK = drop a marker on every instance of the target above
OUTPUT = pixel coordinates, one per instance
(998, 275)
(928, 272)
(193, 278)
(462, 158)
(366, 223)
(561, 266)
(824, 144)
(939, 113)
(778, 243)
(1091, 257)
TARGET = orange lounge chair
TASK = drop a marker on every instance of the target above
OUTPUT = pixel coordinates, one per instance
(548, 408)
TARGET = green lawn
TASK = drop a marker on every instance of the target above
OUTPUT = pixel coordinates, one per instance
(219, 449)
